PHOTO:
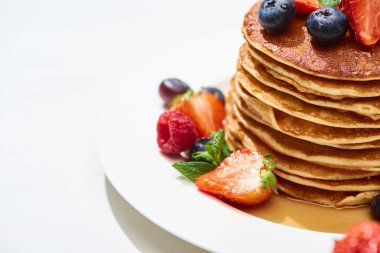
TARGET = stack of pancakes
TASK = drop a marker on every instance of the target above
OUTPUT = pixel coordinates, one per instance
(316, 108)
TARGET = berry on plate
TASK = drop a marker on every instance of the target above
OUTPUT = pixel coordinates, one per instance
(275, 15)
(363, 237)
(364, 19)
(307, 6)
(204, 109)
(175, 133)
(244, 177)
(172, 87)
(327, 25)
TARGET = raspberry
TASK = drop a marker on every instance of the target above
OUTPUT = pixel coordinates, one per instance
(175, 133)
(361, 238)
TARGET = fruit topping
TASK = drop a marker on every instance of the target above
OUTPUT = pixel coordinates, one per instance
(200, 145)
(175, 133)
(362, 237)
(307, 6)
(204, 109)
(364, 19)
(215, 152)
(375, 205)
(327, 25)
(275, 15)
(244, 177)
(169, 88)
(218, 93)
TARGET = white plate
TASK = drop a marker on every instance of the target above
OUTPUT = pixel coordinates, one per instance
(144, 177)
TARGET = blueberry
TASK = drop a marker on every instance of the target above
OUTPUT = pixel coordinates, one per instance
(375, 205)
(199, 145)
(327, 25)
(169, 88)
(217, 93)
(275, 15)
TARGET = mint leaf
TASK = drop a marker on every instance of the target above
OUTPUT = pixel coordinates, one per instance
(216, 146)
(209, 150)
(213, 134)
(269, 179)
(217, 149)
(192, 170)
(269, 163)
(329, 3)
(226, 151)
(203, 156)
(215, 152)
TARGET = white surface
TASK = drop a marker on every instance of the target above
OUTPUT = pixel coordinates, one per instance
(58, 60)
(144, 177)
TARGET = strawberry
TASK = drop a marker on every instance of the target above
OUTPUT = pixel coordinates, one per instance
(307, 6)
(364, 19)
(204, 109)
(362, 237)
(243, 177)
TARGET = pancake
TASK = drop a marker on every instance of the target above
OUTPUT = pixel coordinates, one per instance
(369, 107)
(323, 155)
(296, 166)
(325, 197)
(300, 109)
(307, 193)
(315, 107)
(237, 134)
(344, 60)
(366, 145)
(233, 143)
(354, 185)
(298, 128)
(244, 112)
(335, 89)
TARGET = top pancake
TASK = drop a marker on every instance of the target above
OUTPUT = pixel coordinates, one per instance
(343, 60)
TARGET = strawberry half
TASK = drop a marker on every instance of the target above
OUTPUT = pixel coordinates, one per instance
(204, 109)
(364, 19)
(307, 6)
(243, 177)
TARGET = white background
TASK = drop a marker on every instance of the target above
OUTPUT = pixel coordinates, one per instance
(58, 62)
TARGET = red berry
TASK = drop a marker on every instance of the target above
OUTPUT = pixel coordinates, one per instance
(205, 109)
(307, 6)
(238, 179)
(361, 238)
(364, 19)
(175, 133)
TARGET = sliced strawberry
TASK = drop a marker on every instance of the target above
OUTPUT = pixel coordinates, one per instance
(307, 6)
(362, 237)
(364, 19)
(204, 109)
(242, 177)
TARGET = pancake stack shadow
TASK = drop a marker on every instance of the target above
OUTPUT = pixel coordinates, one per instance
(318, 117)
